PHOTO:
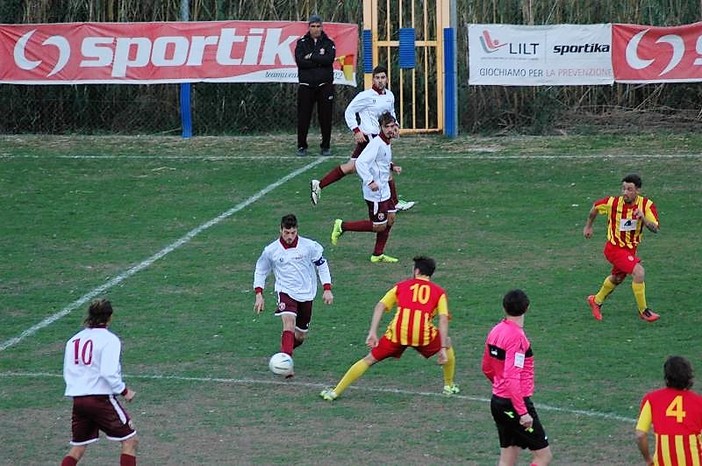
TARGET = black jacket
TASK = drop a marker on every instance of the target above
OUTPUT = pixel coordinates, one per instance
(318, 69)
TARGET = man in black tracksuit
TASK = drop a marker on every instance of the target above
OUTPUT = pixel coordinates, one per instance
(315, 53)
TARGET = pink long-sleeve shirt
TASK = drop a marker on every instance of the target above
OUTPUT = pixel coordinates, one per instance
(508, 363)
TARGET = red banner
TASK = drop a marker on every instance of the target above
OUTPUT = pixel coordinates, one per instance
(648, 54)
(149, 53)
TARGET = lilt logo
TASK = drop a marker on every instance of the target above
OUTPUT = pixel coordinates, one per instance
(489, 44)
(61, 44)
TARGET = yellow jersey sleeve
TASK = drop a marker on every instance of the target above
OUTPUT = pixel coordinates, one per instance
(390, 298)
(650, 216)
(645, 418)
(442, 306)
(603, 207)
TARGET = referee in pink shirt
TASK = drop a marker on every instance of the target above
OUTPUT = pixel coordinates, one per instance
(508, 362)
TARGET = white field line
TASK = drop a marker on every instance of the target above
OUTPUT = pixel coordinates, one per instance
(147, 262)
(468, 155)
(578, 412)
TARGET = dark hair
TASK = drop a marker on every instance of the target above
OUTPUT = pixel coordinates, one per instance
(288, 221)
(379, 69)
(99, 313)
(515, 302)
(677, 372)
(314, 19)
(632, 178)
(386, 118)
(426, 265)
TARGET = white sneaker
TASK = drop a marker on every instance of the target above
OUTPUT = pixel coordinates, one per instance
(328, 394)
(315, 191)
(404, 205)
(451, 389)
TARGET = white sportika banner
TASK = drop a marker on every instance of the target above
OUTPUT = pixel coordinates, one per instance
(567, 54)
(149, 53)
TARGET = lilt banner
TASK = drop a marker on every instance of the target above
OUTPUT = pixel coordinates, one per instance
(170, 52)
(512, 55)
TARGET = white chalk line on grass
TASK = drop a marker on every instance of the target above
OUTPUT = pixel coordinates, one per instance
(147, 262)
(579, 412)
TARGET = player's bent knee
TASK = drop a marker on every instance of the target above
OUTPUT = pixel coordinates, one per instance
(348, 168)
(639, 273)
(77, 451)
(543, 456)
(370, 360)
(129, 446)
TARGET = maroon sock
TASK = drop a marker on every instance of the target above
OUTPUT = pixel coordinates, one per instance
(335, 174)
(127, 460)
(298, 343)
(393, 191)
(69, 461)
(380, 239)
(287, 342)
(359, 225)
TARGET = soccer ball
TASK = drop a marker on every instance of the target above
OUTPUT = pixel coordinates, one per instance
(281, 364)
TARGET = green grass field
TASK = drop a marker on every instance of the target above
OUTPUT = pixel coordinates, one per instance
(169, 230)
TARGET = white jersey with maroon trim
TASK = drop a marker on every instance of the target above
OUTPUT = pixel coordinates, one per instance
(91, 364)
(293, 268)
(374, 165)
(369, 105)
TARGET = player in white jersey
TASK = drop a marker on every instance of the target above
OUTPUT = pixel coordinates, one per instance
(295, 262)
(374, 166)
(93, 376)
(367, 106)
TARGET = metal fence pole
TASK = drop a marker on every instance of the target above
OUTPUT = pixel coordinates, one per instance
(186, 117)
(453, 117)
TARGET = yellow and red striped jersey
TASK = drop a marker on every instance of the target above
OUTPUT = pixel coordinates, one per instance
(418, 302)
(623, 229)
(676, 416)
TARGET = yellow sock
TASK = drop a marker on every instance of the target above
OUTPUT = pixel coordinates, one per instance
(356, 371)
(639, 290)
(605, 290)
(450, 367)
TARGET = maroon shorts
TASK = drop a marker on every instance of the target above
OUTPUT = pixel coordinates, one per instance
(301, 309)
(94, 413)
(378, 211)
(623, 260)
(387, 349)
(360, 146)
